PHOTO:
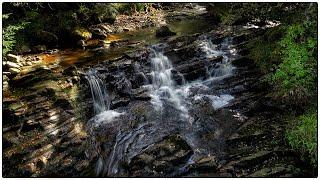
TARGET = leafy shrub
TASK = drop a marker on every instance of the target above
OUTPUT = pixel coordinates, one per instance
(302, 136)
(130, 8)
(105, 12)
(9, 35)
(288, 55)
(296, 75)
(241, 13)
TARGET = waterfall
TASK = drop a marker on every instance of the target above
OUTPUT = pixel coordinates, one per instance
(225, 50)
(167, 97)
(101, 105)
(163, 86)
(219, 71)
(98, 92)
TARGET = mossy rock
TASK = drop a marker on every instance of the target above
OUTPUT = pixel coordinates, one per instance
(81, 33)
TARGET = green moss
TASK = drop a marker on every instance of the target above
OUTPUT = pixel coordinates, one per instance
(296, 75)
(302, 135)
(82, 32)
(287, 55)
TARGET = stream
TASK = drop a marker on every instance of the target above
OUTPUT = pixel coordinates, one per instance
(188, 105)
(172, 109)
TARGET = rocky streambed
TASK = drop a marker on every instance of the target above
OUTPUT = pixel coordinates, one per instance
(190, 105)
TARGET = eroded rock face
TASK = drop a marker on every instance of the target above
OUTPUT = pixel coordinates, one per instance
(145, 142)
(162, 158)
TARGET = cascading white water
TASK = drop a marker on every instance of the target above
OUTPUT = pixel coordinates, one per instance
(219, 71)
(228, 53)
(101, 105)
(163, 86)
(165, 94)
(225, 50)
(98, 92)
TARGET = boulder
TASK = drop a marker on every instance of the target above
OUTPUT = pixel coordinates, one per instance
(14, 70)
(161, 158)
(127, 29)
(13, 58)
(51, 51)
(119, 30)
(215, 59)
(5, 78)
(81, 43)
(5, 86)
(47, 38)
(81, 34)
(12, 64)
(106, 28)
(193, 70)
(205, 163)
(24, 49)
(164, 31)
(39, 48)
(99, 33)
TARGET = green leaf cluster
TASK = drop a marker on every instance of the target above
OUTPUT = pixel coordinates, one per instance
(302, 136)
(9, 35)
(297, 70)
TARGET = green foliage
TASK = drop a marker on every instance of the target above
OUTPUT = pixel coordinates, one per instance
(302, 136)
(9, 35)
(58, 19)
(105, 12)
(238, 13)
(83, 12)
(296, 75)
(130, 8)
(288, 55)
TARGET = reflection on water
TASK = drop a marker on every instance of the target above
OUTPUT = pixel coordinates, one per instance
(139, 38)
(190, 26)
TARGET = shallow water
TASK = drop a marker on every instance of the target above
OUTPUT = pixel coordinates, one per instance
(172, 109)
(135, 39)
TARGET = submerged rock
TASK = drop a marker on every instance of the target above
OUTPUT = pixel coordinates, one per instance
(164, 31)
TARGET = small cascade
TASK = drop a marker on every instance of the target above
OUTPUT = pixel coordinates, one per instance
(173, 100)
(217, 72)
(228, 54)
(98, 91)
(225, 50)
(163, 86)
(101, 105)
